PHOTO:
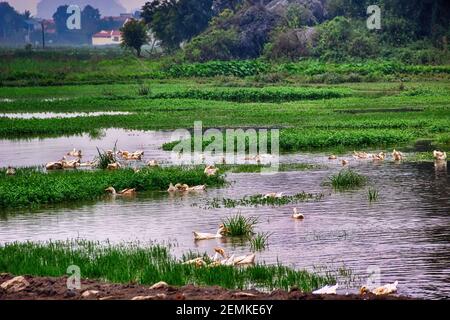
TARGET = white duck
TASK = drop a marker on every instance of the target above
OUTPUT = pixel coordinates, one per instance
(74, 153)
(171, 188)
(211, 171)
(360, 155)
(197, 188)
(243, 260)
(113, 166)
(327, 290)
(124, 192)
(207, 236)
(273, 195)
(386, 289)
(297, 215)
(54, 165)
(220, 252)
(439, 155)
(10, 171)
(71, 164)
(397, 155)
(152, 163)
(379, 156)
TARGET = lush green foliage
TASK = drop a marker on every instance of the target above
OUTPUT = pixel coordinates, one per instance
(134, 35)
(30, 187)
(174, 21)
(269, 94)
(238, 68)
(134, 263)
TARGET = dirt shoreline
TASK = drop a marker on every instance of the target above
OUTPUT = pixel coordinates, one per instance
(50, 288)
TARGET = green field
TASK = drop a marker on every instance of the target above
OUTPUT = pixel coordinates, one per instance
(311, 117)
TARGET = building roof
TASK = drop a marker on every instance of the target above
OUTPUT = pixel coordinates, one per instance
(107, 34)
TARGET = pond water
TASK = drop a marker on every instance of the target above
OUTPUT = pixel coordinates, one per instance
(406, 233)
(39, 151)
(49, 115)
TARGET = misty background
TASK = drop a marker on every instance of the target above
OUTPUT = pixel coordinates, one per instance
(48, 7)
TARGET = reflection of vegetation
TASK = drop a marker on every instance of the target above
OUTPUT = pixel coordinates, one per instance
(372, 194)
(30, 187)
(145, 265)
(346, 179)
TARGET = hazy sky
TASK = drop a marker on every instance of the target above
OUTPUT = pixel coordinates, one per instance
(22, 5)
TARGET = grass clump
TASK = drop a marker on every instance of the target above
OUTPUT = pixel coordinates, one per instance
(32, 188)
(133, 263)
(106, 157)
(143, 90)
(346, 179)
(240, 226)
(372, 194)
(259, 241)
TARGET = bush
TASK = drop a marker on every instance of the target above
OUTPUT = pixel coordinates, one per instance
(217, 44)
(291, 44)
(238, 68)
(342, 38)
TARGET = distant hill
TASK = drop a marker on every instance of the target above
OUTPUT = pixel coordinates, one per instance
(46, 8)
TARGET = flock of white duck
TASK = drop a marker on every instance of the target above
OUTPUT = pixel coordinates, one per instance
(76, 155)
(381, 156)
(220, 257)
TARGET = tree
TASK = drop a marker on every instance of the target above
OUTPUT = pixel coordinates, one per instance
(134, 35)
(60, 17)
(175, 21)
(90, 21)
(10, 21)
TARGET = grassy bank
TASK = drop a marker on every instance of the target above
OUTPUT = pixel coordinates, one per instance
(62, 68)
(30, 187)
(132, 263)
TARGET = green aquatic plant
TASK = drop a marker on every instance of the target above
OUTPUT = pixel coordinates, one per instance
(32, 188)
(239, 226)
(145, 264)
(346, 179)
(259, 241)
(372, 194)
(106, 158)
(259, 199)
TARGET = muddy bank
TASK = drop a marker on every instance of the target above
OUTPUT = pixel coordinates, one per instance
(49, 288)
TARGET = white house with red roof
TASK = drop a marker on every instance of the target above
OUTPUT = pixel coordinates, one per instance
(110, 37)
(107, 38)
